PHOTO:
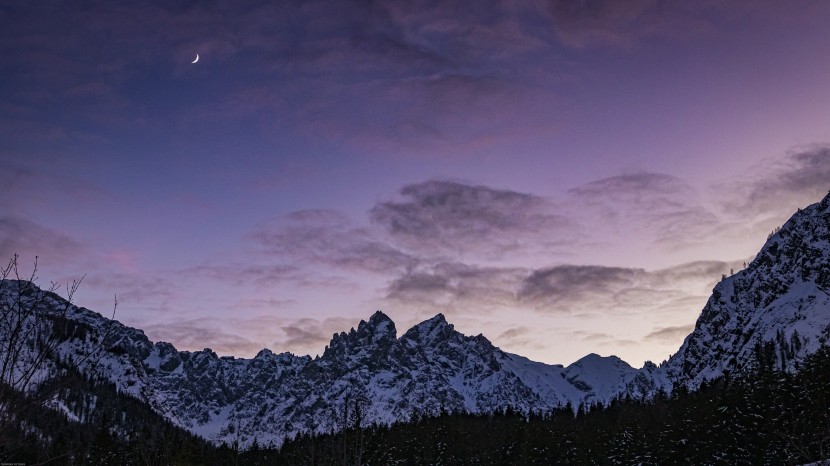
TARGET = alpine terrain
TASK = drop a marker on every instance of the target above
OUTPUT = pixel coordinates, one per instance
(778, 308)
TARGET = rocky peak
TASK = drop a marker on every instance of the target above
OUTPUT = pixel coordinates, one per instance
(484, 342)
(379, 317)
(368, 345)
(379, 326)
(432, 330)
(825, 203)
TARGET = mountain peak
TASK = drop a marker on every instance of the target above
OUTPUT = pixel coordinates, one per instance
(437, 324)
(379, 325)
(595, 360)
(430, 330)
(370, 337)
(439, 319)
(379, 317)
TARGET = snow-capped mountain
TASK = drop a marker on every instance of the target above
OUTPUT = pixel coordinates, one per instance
(778, 307)
(781, 301)
(429, 369)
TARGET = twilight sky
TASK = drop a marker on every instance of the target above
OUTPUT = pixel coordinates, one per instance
(564, 176)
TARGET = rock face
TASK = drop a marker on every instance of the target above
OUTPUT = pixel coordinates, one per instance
(777, 309)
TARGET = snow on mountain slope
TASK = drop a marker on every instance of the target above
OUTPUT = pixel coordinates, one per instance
(430, 369)
(601, 379)
(781, 300)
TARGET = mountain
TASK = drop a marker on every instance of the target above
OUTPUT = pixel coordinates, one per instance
(776, 311)
(369, 373)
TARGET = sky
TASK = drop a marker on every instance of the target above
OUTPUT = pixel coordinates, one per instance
(562, 176)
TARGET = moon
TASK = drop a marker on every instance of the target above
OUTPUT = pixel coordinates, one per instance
(196, 59)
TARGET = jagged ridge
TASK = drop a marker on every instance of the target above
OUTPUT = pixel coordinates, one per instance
(431, 368)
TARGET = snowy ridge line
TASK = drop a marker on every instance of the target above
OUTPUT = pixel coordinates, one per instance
(429, 369)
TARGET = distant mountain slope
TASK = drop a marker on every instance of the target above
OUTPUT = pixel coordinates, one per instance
(430, 369)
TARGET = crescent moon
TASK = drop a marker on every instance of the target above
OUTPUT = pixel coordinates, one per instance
(196, 59)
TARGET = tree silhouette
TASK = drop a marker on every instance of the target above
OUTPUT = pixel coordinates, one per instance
(33, 324)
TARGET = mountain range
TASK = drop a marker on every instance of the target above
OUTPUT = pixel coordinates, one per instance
(776, 310)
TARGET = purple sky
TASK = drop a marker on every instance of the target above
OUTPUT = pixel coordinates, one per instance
(564, 176)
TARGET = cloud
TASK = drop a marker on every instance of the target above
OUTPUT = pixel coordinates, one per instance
(657, 205)
(777, 186)
(621, 290)
(563, 289)
(248, 274)
(436, 72)
(328, 238)
(692, 273)
(19, 184)
(561, 286)
(625, 23)
(312, 334)
(265, 304)
(137, 292)
(197, 334)
(671, 334)
(29, 239)
(37, 183)
(245, 337)
(605, 340)
(446, 217)
(513, 333)
(521, 336)
(455, 286)
(594, 336)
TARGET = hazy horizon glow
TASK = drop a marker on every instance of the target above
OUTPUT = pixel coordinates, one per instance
(564, 177)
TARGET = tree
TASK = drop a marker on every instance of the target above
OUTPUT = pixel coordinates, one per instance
(33, 324)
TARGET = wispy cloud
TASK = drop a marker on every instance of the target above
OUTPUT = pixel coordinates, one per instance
(454, 286)
(328, 238)
(200, 333)
(670, 334)
(624, 23)
(21, 236)
(778, 186)
(248, 274)
(513, 332)
(597, 336)
(246, 336)
(558, 288)
(35, 183)
(628, 23)
(451, 218)
(563, 289)
(428, 67)
(312, 334)
(657, 205)
(150, 294)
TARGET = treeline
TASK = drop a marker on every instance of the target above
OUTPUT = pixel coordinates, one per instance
(767, 417)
